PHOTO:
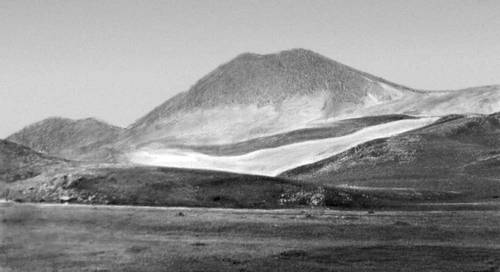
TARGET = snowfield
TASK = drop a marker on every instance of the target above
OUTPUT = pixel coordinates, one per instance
(273, 161)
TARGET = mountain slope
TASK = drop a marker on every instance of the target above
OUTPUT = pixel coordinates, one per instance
(18, 162)
(260, 95)
(459, 153)
(334, 129)
(67, 138)
(272, 161)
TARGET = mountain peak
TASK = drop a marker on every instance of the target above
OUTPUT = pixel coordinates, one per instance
(296, 82)
(295, 52)
(253, 95)
(259, 79)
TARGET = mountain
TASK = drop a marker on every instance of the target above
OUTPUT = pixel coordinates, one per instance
(262, 127)
(255, 96)
(457, 153)
(18, 162)
(261, 115)
(67, 138)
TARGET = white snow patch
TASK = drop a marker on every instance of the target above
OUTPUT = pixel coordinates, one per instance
(272, 161)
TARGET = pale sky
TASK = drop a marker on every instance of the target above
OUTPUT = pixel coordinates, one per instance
(117, 60)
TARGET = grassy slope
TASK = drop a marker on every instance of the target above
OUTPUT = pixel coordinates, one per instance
(153, 186)
(170, 187)
(457, 153)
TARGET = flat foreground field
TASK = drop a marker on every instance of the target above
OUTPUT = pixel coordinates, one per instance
(38, 237)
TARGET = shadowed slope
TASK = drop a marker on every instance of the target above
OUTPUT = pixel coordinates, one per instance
(19, 162)
(155, 186)
(457, 153)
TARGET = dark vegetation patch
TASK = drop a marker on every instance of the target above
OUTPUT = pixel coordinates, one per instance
(401, 223)
(294, 253)
(197, 244)
(136, 249)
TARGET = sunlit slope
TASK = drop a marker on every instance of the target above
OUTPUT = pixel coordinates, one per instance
(481, 100)
(321, 130)
(458, 153)
(255, 96)
(273, 161)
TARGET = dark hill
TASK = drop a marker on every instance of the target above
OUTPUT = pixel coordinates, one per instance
(18, 162)
(155, 186)
(457, 153)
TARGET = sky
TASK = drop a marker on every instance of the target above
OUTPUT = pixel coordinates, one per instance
(117, 60)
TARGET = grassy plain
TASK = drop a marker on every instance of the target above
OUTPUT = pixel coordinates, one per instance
(54, 237)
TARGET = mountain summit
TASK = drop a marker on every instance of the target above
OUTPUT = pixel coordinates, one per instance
(270, 80)
(257, 95)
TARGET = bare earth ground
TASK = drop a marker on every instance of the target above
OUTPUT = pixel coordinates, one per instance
(51, 237)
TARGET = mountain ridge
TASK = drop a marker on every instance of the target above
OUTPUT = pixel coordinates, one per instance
(255, 96)
(66, 138)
